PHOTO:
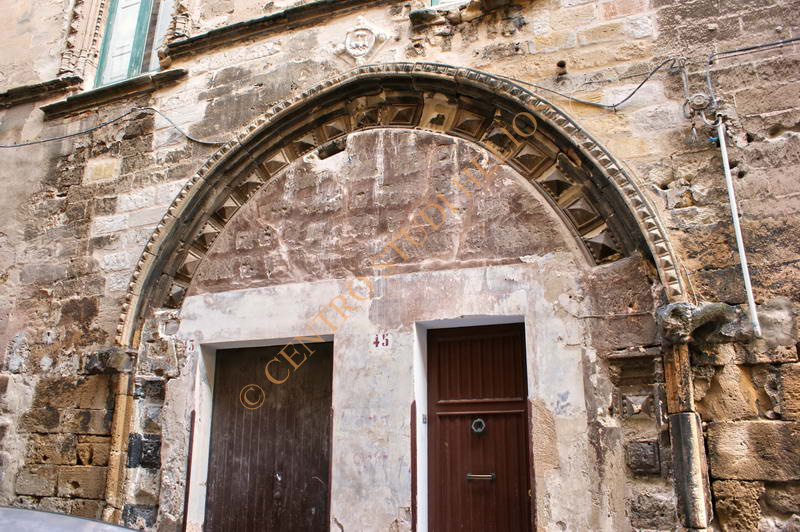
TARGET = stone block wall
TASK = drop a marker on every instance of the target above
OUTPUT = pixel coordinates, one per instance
(78, 212)
(67, 445)
(742, 388)
(36, 33)
(143, 473)
(745, 395)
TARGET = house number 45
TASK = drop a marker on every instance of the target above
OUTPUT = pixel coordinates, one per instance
(382, 341)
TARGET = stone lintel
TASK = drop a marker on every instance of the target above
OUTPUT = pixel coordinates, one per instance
(37, 91)
(101, 95)
(288, 19)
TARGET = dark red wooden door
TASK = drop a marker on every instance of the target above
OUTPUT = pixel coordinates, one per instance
(479, 474)
(269, 466)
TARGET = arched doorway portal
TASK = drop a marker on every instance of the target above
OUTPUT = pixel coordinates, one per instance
(596, 197)
(562, 237)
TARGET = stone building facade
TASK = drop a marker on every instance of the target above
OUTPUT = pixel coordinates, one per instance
(399, 168)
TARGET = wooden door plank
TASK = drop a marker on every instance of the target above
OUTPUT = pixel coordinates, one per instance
(269, 468)
(478, 372)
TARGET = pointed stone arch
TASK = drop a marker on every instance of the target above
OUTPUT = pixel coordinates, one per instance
(596, 198)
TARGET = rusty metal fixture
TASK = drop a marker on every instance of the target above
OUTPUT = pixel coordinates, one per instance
(699, 101)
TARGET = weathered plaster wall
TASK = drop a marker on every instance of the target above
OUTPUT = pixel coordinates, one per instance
(373, 389)
(211, 15)
(33, 39)
(76, 213)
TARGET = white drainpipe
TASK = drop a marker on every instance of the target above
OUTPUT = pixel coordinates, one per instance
(737, 229)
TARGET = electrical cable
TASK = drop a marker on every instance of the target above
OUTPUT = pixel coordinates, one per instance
(61, 137)
(218, 143)
(674, 62)
(109, 122)
(182, 132)
(736, 52)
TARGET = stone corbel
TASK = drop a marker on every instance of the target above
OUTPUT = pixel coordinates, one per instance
(680, 324)
(683, 323)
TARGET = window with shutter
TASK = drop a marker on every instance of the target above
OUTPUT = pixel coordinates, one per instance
(134, 31)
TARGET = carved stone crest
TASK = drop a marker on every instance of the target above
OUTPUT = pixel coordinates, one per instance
(360, 43)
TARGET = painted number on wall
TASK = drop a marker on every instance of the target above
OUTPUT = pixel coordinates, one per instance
(382, 341)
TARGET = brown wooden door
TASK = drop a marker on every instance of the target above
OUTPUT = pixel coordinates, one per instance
(479, 474)
(269, 466)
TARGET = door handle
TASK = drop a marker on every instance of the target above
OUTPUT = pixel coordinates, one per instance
(490, 476)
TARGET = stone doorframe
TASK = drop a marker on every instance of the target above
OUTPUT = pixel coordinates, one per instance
(203, 364)
(202, 404)
(596, 198)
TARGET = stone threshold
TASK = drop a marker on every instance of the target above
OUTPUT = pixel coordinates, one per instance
(109, 93)
(288, 19)
(37, 91)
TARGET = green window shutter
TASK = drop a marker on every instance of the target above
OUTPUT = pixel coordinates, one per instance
(124, 41)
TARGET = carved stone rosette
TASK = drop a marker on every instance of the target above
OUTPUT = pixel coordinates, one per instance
(361, 43)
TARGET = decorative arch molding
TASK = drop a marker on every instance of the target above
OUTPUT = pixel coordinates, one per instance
(602, 205)
(82, 40)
